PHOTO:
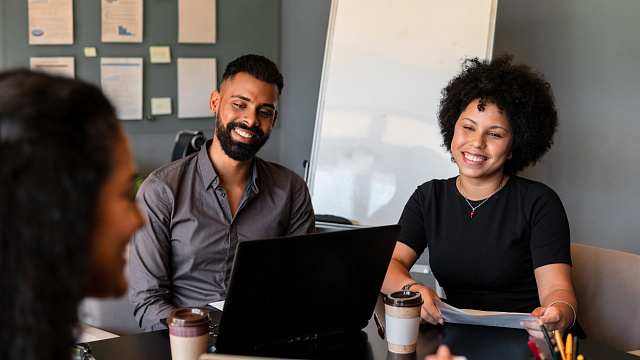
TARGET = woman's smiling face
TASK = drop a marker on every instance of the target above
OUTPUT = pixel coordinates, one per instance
(482, 141)
(118, 217)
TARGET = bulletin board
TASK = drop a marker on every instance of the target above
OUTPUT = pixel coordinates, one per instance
(242, 27)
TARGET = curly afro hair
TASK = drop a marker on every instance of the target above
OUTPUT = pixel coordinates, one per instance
(515, 88)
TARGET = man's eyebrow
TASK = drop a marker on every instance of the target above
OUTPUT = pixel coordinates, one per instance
(242, 97)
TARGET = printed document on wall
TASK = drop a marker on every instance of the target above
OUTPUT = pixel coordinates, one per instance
(50, 22)
(61, 66)
(196, 81)
(197, 21)
(122, 84)
(122, 21)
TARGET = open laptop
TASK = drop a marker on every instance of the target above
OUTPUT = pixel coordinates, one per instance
(306, 287)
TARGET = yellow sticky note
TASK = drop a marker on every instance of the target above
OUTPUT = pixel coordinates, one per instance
(161, 106)
(160, 54)
(90, 52)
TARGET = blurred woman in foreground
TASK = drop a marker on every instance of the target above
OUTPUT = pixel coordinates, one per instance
(67, 209)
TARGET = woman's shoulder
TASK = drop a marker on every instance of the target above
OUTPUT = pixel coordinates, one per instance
(437, 185)
(531, 188)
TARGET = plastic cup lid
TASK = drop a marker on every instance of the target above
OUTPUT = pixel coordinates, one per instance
(403, 298)
(188, 316)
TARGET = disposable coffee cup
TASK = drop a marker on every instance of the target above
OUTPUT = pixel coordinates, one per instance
(188, 332)
(402, 318)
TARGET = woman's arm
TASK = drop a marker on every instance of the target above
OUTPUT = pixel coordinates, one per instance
(398, 276)
(556, 297)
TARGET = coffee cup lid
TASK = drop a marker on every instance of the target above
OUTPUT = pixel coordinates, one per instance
(403, 298)
(188, 316)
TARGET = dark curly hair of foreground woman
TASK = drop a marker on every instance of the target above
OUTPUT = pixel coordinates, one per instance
(516, 89)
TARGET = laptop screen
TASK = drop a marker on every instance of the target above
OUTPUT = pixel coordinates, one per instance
(304, 287)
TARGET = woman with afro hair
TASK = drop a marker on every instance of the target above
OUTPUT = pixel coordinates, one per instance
(497, 242)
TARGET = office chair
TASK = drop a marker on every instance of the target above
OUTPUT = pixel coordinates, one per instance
(607, 287)
(187, 142)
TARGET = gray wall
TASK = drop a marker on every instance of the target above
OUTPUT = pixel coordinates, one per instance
(589, 51)
(303, 32)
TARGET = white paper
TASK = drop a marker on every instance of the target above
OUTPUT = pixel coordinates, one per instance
(122, 84)
(122, 21)
(50, 22)
(218, 304)
(197, 21)
(61, 66)
(196, 82)
(478, 317)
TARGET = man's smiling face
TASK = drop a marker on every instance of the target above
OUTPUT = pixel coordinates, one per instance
(245, 114)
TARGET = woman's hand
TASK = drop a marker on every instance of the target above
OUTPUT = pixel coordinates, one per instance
(429, 312)
(551, 317)
(444, 354)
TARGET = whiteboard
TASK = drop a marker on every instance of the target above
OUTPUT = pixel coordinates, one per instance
(376, 135)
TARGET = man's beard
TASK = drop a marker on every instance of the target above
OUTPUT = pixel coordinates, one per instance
(234, 149)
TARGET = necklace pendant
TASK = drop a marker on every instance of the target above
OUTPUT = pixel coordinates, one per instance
(473, 212)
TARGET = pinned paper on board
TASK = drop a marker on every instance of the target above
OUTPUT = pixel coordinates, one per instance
(160, 54)
(197, 21)
(90, 51)
(161, 106)
(122, 84)
(50, 22)
(122, 21)
(60, 66)
(196, 81)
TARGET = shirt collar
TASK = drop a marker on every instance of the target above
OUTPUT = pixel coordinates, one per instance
(205, 167)
(208, 172)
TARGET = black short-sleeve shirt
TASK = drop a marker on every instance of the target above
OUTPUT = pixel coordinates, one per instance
(487, 262)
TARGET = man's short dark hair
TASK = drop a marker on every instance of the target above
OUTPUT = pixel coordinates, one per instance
(257, 66)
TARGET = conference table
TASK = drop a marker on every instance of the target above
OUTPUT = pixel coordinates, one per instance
(474, 342)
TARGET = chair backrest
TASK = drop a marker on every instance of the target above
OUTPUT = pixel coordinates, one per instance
(187, 142)
(607, 287)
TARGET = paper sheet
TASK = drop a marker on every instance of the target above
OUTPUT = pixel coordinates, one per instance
(50, 22)
(61, 66)
(196, 81)
(197, 21)
(122, 84)
(122, 21)
(477, 317)
(218, 304)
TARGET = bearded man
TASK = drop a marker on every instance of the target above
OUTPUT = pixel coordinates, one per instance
(200, 207)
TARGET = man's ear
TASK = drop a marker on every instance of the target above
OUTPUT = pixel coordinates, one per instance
(214, 101)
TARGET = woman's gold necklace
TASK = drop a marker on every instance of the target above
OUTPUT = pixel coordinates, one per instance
(473, 209)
